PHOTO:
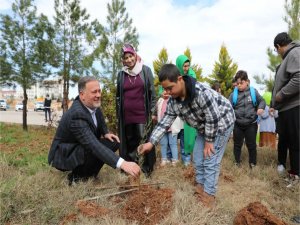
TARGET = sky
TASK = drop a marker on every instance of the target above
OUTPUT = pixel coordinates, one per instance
(247, 28)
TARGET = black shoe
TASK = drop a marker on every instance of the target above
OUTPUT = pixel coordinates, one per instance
(237, 164)
(74, 179)
(296, 219)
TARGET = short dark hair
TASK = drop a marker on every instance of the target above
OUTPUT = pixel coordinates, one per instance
(241, 74)
(82, 82)
(216, 86)
(168, 72)
(282, 39)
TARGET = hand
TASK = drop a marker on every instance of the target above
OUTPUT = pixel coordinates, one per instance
(208, 149)
(154, 119)
(131, 168)
(260, 112)
(278, 97)
(144, 148)
(271, 111)
(112, 137)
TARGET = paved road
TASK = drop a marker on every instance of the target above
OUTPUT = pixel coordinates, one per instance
(33, 118)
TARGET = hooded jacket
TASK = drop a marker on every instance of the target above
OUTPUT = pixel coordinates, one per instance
(287, 79)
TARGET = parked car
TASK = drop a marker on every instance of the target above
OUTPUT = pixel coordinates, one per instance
(39, 106)
(3, 105)
(19, 106)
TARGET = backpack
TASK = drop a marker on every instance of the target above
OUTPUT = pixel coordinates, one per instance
(236, 93)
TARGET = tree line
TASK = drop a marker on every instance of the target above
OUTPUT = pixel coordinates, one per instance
(32, 48)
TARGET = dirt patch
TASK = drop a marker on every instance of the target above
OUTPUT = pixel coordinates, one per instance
(227, 178)
(91, 209)
(189, 174)
(148, 205)
(258, 214)
(68, 218)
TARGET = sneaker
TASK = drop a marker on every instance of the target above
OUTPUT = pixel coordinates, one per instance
(280, 169)
(174, 162)
(252, 165)
(237, 164)
(164, 162)
(294, 179)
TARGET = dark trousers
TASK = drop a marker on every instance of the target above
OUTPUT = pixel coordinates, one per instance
(282, 150)
(47, 111)
(249, 134)
(288, 122)
(92, 164)
(134, 134)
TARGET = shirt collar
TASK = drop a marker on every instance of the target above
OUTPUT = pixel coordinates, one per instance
(90, 110)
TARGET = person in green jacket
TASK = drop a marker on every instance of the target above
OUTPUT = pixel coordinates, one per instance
(188, 134)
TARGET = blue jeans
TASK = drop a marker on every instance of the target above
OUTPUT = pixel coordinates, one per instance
(207, 170)
(169, 141)
(185, 157)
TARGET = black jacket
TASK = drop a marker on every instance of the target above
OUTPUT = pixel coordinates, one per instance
(150, 102)
(76, 134)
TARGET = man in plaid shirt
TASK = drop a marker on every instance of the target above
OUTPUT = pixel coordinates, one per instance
(207, 111)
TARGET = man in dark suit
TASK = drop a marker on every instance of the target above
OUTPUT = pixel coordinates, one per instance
(82, 143)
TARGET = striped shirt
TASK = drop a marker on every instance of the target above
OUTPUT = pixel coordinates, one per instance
(208, 111)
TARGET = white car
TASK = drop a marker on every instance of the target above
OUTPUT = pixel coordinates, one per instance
(3, 105)
(19, 106)
(39, 106)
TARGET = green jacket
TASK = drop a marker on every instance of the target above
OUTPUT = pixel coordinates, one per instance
(189, 132)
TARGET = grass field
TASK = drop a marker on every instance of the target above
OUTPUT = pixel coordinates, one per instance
(34, 193)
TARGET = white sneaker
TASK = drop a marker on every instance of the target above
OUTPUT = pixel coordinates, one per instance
(293, 181)
(174, 162)
(280, 169)
(164, 162)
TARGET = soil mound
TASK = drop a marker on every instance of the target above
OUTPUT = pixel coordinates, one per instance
(148, 205)
(258, 214)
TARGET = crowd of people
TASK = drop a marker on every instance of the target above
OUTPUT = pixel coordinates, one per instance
(197, 116)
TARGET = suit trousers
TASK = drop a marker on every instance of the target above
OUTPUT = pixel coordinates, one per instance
(92, 164)
(135, 133)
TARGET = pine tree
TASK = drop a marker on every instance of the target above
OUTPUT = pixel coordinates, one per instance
(27, 41)
(73, 34)
(163, 59)
(119, 30)
(223, 72)
(292, 18)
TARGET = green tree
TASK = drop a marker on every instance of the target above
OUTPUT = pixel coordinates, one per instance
(5, 66)
(292, 18)
(197, 68)
(163, 58)
(27, 39)
(74, 33)
(119, 30)
(223, 72)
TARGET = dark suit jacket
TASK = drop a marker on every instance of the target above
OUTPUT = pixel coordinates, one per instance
(77, 134)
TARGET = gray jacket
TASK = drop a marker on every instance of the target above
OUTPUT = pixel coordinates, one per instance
(244, 110)
(287, 79)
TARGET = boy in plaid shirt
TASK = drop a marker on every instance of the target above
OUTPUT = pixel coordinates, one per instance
(207, 111)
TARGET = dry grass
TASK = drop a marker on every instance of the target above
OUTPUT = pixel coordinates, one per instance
(33, 193)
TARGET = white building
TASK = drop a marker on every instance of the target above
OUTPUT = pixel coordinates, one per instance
(52, 87)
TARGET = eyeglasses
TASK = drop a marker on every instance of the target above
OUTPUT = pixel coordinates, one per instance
(275, 50)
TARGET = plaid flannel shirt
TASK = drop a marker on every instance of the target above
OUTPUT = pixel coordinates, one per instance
(209, 112)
